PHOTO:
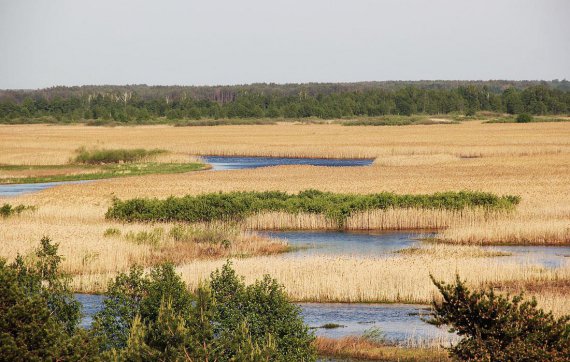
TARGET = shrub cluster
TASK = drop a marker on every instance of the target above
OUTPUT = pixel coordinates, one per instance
(114, 156)
(236, 206)
(9, 210)
(147, 317)
(524, 118)
(500, 328)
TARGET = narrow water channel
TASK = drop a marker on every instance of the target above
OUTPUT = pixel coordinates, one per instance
(218, 163)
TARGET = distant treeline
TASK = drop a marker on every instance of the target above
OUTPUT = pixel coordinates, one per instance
(326, 101)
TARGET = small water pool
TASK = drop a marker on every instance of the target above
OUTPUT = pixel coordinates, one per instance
(368, 243)
(220, 163)
(20, 189)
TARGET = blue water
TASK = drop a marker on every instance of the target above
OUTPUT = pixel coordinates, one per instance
(20, 189)
(236, 163)
(550, 256)
(218, 164)
(384, 243)
(368, 243)
(398, 322)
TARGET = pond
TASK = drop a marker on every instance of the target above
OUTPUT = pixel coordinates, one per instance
(384, 243)
(220, 163)
(396, 322)
(368, 243)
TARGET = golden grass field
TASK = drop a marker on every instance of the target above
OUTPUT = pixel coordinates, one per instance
(530, 160)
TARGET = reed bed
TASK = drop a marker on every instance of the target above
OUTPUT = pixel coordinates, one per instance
(390, 219)
(89, 248)
(537, 231)
(33, 144)
(393, 279)
(364, 349)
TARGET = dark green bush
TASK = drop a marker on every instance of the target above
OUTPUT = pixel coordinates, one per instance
(9, 210)
(524, 118)
(155, 317)
(236, 206)
(114, 156)
(38, 313)
(500, 328)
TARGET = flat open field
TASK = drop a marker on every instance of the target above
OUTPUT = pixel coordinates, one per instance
(530, 160)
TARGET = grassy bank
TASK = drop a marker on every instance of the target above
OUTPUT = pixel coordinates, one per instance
(237, 206)
(57, 173)
(399, 121)
(364, 349)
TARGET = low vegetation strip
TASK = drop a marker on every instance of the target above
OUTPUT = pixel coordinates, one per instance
(93, 172)
(114, 156)
(236, 206)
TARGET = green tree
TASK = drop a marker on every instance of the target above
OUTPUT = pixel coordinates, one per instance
(38, 314)
(500, 328)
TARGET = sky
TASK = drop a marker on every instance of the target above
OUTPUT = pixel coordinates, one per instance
(188, 42)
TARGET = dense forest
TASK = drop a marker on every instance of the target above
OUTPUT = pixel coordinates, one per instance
(137, 103)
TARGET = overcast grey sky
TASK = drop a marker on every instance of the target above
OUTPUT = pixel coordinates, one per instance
(74, 42)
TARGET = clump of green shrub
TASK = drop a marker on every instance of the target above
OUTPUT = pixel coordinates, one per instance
(147, 317)
(524, 118)
(187, 233)
(500, 328)
(155, 317)
(236, 206)
(112, 232)
(221, 122)
(152, 237)
(8, 210)
(114, 156)
(39, 316)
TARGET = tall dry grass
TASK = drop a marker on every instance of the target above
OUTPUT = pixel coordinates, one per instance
(364, 349)
(41, 144)
(400, 278)
(80, 233)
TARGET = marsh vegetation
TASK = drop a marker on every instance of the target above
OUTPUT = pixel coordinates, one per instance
(237, 206)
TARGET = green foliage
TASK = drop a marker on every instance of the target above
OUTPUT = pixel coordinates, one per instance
(154, 317)
(500, 328)
(264, 307)
(152, 237)
(101, 171)
(188, 233)
(524, 118)
(111, 105)
(114, 156)
(235, 206)
(38, 314)
(112, 232)
(8, 210)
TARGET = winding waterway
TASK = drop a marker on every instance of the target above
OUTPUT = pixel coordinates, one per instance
(218, 163)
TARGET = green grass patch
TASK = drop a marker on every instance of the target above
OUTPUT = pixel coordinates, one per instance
(97, 157)
(397, 121)
(152, 237)
(112, 232)
(222, 122)
(101, 172)
(236, 206)
(8, 210)
(535, 119)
